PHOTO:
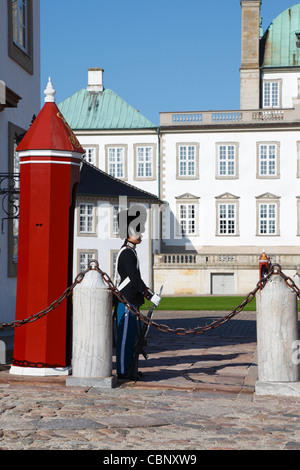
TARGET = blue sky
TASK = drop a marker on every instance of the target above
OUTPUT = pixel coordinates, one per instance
(158, 55)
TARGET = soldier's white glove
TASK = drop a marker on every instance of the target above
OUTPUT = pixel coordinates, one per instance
(155, 299)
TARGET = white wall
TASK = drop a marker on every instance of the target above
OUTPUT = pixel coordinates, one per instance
(103, 243)
(289, 85)
(128, 138)
(247, 187)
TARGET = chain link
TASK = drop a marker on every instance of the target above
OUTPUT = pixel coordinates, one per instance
(93, 265)
(52, 306)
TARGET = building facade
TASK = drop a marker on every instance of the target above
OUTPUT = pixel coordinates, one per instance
(231, 178)
(19, 102)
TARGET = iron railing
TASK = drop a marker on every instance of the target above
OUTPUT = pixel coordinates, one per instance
(9, 192)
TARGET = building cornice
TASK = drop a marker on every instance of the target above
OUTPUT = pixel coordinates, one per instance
(294, 126)
(294, 69)
(86, 132)
(11, 99)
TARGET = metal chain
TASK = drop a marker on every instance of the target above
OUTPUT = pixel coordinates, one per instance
(52, 306)
(93, 265)
(182, 331)
(274, 269)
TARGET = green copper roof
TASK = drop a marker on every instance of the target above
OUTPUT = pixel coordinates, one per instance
(279, 43)
(101, 110)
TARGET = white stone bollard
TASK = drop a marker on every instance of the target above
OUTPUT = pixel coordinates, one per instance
(2, 353)
(277, 335)
(92, 333)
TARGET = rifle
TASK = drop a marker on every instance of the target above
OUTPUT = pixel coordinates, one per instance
(141, 344)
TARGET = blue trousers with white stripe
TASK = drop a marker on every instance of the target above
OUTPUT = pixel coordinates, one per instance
(126, 338)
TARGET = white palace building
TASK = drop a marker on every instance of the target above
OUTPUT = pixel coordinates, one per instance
(232, 178)
(229, 180)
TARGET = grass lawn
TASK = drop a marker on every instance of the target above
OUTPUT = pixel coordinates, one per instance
(226, 303)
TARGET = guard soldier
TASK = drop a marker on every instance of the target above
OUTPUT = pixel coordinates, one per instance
(133, 289)
(264, 265)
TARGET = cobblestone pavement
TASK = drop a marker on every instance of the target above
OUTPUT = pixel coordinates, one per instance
(197, 394)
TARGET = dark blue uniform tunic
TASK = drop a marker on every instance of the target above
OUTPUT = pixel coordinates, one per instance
(134, 290)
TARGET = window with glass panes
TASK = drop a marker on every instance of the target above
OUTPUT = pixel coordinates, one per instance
(90, 155)
(227, 160)
(227, 219)
(187, 219)
(114, 274)
(87, 222)
(20, 32)
(267, 160)
(116, 162)
(187, 160)
(271, 95)
(84, 259)
(267, 219)
(115, 220)
(144, 162)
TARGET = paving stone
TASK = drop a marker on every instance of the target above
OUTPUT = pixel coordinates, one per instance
(75, 423)
(197, 394)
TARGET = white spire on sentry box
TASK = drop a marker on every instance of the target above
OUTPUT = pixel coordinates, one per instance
(49, 92)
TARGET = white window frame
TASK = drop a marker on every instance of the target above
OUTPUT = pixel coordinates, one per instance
(272, 94)
(86, 218)
(144, 162)
(115, 209)
(227, 219)
(187, 160)
(187, 214)
(227, 215)
(116, 161)
(268, 160)
(83, 258)
(91, 154)
(268, 215)
(113, 264)
(227, 161)
(187, 219)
